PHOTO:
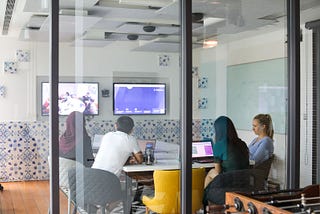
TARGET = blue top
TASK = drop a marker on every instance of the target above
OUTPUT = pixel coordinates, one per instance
(261, 150)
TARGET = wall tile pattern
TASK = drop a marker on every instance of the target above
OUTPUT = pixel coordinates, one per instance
(24, 146)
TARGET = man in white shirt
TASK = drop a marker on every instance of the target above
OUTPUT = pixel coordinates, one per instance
(116, 147)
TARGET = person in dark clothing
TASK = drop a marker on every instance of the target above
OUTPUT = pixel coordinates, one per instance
(75, 142)
(230, 152)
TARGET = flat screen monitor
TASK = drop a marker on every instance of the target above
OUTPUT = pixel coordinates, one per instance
(73, 96)
(139, 98)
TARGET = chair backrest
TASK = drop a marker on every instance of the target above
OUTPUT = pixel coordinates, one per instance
(246, 180)
(64, 166)
(167, 190)
(265, 167)
(198, 176)
(89, 186)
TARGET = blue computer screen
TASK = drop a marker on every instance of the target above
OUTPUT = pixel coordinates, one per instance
(139, 98)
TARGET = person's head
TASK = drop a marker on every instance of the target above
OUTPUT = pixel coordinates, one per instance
(74, 118)
(224, 129)
(125, 124)
(262, 124)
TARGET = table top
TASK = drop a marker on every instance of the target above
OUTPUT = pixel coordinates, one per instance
(162, 165)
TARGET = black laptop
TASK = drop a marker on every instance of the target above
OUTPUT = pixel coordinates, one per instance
(202, 151)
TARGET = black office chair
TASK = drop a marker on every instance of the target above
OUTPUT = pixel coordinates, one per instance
(92, 189)
(265, 167)
(246, 180)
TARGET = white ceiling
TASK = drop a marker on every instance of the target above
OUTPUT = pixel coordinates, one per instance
(98, 23)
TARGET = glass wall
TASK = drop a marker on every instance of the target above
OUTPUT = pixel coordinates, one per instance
(120, 60)
(309, 94)
(239, 70)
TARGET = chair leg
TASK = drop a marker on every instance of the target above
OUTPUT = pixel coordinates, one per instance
(88, 209)
(69, 202)
(103, 209)
(147, 210)
(74, 210)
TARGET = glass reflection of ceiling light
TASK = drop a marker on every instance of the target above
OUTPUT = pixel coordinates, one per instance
(44, 4)
(209, 43)
(26, 34)
(211, 20)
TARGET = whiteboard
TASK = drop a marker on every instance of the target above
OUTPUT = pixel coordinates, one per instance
(258, 87)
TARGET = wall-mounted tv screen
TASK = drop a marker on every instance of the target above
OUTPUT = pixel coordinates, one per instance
(139, 98)
(73, 96)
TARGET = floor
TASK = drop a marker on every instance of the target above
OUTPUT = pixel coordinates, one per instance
(28, 197)
(32, 197)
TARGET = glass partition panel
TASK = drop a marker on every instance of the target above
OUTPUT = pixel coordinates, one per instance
(119, 66)
(123, 59)
(309, 41)
(240, 73)
(24, 133)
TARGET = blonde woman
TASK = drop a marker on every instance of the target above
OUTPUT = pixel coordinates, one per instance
(261, 148)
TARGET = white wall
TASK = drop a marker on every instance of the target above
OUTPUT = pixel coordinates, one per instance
(77, 63)
(18, 103)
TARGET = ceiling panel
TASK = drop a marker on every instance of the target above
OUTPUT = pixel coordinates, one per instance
(129, 17)
(42, 6)
(138, 28)
(161, 47)
(91, 43)
(71, 23)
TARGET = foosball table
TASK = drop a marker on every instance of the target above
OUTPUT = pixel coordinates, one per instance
(299, 201)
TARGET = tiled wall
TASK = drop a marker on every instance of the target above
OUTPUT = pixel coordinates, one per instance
(24, 146)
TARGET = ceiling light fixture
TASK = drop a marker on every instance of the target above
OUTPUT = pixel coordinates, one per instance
(132, 37)
(210, 43)
(44, 4)
(149, 28)
(26, 34)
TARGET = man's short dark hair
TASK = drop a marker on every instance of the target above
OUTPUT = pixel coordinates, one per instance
(125, 124)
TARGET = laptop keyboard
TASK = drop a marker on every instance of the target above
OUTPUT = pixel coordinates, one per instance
(205, 160)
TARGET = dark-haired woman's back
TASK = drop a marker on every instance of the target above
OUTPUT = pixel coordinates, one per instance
(234, 157)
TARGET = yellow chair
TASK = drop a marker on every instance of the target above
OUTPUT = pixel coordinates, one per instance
(198, 176)
(167, 191)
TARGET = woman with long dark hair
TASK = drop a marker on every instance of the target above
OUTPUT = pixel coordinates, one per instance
(230, 152)
(75, 143)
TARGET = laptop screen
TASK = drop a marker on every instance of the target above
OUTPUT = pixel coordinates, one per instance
(202, 149)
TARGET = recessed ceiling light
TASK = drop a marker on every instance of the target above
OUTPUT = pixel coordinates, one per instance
(149, 28)
(210, 43)
(132, 36)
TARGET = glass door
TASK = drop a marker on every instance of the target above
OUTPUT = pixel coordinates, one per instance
(119, 66)
(240, 72)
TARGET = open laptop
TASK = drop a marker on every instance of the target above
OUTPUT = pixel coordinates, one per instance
(202, 151)
(143, 144)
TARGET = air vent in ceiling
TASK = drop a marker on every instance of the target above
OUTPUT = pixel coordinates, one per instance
(8, 16)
